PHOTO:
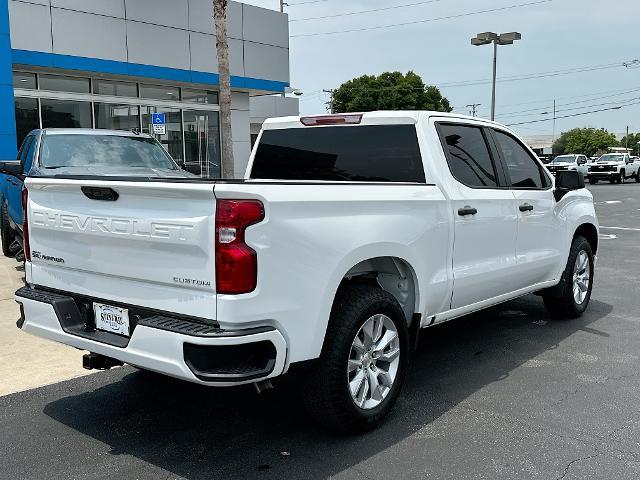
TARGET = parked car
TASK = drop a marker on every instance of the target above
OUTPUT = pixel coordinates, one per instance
(348, 234)
(569, 162)
(615, 167)
(76, 152)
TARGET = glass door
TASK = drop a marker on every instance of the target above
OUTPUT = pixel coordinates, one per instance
(202, 143)
(172, 139)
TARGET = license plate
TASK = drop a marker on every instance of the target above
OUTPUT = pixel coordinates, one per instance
(111, 319)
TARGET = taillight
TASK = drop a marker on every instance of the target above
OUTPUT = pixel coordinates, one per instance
(348, 119)
(25, 225)
(236, 262)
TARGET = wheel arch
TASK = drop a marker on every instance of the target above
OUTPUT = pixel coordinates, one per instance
(590, 232)
(392, 274)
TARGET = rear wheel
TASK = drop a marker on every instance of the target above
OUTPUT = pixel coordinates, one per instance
(6, 233)
(571, 298)
(358, 377)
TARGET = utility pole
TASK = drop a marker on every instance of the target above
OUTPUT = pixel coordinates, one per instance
(474, 108)
(222, 49)
(330, 102)
(626, 140)
(553, 133)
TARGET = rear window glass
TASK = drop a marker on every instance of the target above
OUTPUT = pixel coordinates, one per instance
(58, 151)
(369, 153)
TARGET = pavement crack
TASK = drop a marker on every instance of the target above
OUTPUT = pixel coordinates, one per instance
(574, 461)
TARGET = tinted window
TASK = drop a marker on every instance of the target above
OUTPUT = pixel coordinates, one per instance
(468, 155)
(118, 89)
(116, 117)
(65, 114)
(199, 96)
(27, 117)
(58, 83)
(522, 168)
(375, 153)
(24, 80)
(159, 92)
(102, 150)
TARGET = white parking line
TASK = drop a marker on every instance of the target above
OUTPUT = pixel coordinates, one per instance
(622, 228)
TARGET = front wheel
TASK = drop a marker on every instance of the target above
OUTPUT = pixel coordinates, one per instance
(571, 298)
(638, 176)
(593, 181)
(358, 377)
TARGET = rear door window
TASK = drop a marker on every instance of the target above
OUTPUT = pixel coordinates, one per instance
(366, 153)
(468, 155)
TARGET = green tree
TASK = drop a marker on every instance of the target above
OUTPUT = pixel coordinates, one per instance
(633, 142)
(388, 91)
(584, 140)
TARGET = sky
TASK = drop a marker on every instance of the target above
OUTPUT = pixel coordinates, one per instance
(591, 38)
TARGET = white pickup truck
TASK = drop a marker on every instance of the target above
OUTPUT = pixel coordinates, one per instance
(615, 167)
(348, 234)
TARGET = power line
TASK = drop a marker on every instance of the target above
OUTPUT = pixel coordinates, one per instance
(573, 115)
(530, 112)
(305, 3)
(415, 22)
(594, 95)
(529, 76)
(321, 17)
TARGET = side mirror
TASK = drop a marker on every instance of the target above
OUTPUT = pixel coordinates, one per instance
(12, 167)
(567, 181)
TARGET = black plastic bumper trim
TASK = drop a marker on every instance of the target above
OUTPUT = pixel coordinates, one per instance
(74, 323)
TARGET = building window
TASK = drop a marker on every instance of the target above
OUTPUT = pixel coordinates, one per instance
(159, 92)
(58, 83)
(27, 118)
(199, 96)
(65, 114)
(115, 89)
(117, 117)
(24, 80)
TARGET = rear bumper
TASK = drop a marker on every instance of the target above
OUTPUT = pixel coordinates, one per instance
(176, 347)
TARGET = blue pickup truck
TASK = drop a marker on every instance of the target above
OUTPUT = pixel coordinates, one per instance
(76, 152)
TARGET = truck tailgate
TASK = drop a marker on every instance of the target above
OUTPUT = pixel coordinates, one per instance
(153, 246)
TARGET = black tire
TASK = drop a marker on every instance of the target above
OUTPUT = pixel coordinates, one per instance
(621, 177)
(6, 233)
(638, 176)
(326, 391)
(560, 301)
(593, 181)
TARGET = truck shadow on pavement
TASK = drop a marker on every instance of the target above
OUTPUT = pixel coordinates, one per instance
(197, 432)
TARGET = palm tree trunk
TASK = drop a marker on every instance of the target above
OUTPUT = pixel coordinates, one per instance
(222, 47)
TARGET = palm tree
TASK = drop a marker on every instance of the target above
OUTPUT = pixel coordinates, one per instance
(222, 48)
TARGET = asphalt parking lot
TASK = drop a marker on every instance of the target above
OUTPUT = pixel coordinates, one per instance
(507, 393)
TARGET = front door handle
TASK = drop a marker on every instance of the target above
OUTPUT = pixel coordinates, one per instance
(525, 207)
(467, 210)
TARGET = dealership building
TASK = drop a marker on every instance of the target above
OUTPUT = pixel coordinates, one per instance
(113, 63)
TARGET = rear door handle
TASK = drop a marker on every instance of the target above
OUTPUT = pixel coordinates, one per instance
(467, 210)
(525, 207)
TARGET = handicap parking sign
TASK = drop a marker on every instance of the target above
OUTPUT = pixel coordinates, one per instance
(158, 122)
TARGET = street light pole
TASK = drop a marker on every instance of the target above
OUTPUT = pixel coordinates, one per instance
(493, 89)
(502, 39)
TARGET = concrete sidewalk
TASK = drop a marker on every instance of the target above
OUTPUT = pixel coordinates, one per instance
(27, 361)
